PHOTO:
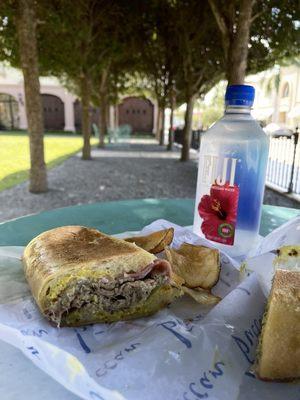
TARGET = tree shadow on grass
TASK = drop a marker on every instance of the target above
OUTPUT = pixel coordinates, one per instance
(23, 175)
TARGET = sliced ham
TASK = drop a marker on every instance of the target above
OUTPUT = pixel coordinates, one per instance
(156, 267)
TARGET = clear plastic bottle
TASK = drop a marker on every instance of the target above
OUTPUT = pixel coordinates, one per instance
(231, 176)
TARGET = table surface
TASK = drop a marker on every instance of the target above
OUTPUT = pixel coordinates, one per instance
(119, 216)
(19, 378)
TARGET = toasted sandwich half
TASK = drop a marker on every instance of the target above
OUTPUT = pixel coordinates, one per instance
(278, 355)
(79, 275)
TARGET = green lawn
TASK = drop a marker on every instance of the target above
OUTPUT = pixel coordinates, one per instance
(14, 155)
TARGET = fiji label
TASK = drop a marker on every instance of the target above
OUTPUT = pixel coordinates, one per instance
(218, 198)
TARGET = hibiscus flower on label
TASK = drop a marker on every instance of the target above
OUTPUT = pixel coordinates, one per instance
(218, 211)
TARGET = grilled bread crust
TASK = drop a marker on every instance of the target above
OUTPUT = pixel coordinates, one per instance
(279, 348)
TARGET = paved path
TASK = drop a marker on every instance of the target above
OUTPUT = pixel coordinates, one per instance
(138, 169)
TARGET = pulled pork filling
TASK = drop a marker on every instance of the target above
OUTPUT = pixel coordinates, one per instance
(110, 294)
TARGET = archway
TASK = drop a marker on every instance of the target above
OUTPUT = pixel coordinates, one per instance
(9, 112)
(54, 112)
(138, 113)
(94, 112)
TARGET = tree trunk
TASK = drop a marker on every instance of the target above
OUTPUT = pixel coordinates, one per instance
(158, 123)
(108, 117)
(187, 131)
(238, 49)
(162, 129)
(103, 117)
(26, 28)
(102, 120)
(116, 116)
(235, 37)
(85, 91)
(171, 129)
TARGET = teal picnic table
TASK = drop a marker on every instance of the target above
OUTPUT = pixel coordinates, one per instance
(118, 216)
(19, 378)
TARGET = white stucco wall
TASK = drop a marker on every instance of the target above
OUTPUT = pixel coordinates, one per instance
(270, 104)
(11, 82)
(67, 98)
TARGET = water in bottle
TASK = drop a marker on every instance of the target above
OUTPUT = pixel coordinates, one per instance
(231, 176)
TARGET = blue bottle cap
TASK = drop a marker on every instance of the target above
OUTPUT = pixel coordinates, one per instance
(239, 95)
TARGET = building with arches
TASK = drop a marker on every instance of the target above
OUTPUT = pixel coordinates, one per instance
(277, 98)
(62, 109)
(9, 111)
(138, 112)
(57, 102)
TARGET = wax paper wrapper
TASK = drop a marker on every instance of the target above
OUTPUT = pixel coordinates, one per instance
(184, 352)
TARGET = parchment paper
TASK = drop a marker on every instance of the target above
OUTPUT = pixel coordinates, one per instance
(184, 352)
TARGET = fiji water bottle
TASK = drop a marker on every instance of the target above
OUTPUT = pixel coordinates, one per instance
(231, 176)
